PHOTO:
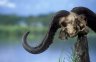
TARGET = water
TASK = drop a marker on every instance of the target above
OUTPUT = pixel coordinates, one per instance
(11, 52)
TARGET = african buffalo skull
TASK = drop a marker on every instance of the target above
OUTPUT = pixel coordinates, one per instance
(70, 24)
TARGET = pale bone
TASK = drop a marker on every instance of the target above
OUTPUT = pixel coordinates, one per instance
(72, 17)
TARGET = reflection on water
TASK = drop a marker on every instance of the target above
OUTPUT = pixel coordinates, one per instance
(61, 49)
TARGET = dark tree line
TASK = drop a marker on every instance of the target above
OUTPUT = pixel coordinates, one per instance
(14, 19)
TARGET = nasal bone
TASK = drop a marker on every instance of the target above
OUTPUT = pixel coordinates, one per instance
(70, 29)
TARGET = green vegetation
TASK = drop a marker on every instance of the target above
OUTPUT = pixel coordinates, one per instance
(14, 31)
(13, 26)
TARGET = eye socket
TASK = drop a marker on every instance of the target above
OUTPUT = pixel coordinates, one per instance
(64, 24)
(76, 19)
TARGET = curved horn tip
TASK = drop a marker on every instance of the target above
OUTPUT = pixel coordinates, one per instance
(25, 45)
(27, 32)
(25, 36)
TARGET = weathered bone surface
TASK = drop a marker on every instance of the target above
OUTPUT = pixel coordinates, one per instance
(72, 25)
